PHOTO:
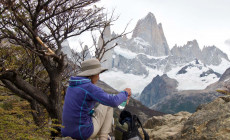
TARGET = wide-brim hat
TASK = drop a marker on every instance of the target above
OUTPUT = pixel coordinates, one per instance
(91, 67)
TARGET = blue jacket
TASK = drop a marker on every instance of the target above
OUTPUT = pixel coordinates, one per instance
(80, 99)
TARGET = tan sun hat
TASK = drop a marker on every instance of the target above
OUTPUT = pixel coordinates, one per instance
(91, 67)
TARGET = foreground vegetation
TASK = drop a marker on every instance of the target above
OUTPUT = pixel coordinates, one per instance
(17, 121)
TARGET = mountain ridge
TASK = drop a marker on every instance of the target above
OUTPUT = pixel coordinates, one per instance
(151, 32)
(186, 100)
(132, 56)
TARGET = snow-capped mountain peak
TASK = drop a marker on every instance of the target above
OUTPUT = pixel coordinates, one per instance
(194, 75)
(151, 32)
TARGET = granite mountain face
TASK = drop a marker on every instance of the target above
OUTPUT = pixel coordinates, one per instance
(149, 31)
(188, 52)
(158, 89)
(181, 100)
(183, 72)
(213, 56)
(148, 48)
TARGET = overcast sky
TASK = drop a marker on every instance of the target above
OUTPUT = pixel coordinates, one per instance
(207, 21)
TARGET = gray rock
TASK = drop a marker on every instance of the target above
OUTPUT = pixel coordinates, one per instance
(107, 59)
(166, 127)
(183, 70)
(185, 101)
(148, 40)
(189, 100)
(158, 89)
(212, 55)
(72, 55)
(66, 49)
(210, 71)
(198, 65)
(189, 52)
(211, 121)
(133, 66)
(148, 30)
(224, 88)
(86, 52)
(154, 63)
(226, 75)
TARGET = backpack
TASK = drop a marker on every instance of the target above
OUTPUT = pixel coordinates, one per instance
(130, 133)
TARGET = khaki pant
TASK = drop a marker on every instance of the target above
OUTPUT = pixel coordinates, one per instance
(102, 122)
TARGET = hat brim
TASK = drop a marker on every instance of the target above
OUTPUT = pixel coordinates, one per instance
(92, 72)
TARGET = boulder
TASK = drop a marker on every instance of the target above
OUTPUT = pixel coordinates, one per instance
(210, 121)
(167, 126)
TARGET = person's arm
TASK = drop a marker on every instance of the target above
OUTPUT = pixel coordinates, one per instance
(104, 98)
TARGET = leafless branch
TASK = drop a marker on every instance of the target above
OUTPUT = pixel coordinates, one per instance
(101, 50)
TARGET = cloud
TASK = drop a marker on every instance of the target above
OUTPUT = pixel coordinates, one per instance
(227, 42)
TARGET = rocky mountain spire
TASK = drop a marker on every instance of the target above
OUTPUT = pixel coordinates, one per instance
(189, 51)
(86, 52)
(66, 49)
(106, 35)
(148, 29)
(210, 55)
(213, 56)
(107, 59)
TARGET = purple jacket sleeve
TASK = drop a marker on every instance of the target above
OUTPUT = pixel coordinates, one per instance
(104, 98)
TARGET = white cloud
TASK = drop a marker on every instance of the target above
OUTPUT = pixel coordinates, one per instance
(227, 42)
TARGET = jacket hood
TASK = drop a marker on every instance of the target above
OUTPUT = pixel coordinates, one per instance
(75, 81)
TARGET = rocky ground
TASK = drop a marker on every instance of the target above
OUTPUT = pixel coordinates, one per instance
(210, 121)
(167, 126)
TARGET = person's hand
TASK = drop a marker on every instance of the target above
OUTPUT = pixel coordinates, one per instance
(128, 90)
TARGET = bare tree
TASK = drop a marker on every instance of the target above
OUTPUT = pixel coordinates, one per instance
(101, 49)
(40, 26)
(107, 43)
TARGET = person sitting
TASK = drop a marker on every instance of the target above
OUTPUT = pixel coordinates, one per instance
(79, 119)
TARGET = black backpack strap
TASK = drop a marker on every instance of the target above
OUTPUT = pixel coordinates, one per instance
(145, 133)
